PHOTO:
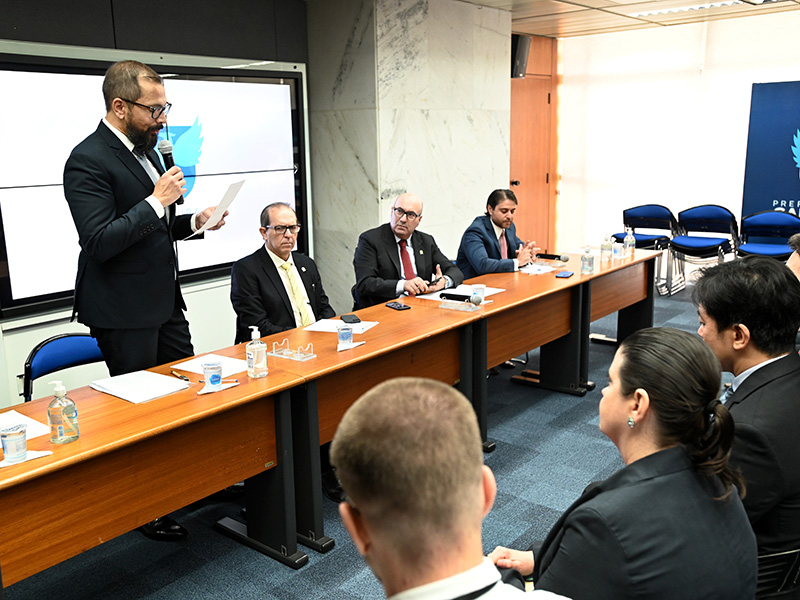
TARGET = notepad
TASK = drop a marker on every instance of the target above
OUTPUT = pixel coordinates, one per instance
(139, 386)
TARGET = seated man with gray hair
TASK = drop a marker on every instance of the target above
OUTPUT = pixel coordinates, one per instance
(409, 456)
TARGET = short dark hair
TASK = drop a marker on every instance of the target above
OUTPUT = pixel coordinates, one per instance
(761, 293)
(681, 376)
(265, 212)
(122, 80)
(794, 242)
(497, 196)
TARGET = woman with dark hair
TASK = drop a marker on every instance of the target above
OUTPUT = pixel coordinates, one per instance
(670, 524)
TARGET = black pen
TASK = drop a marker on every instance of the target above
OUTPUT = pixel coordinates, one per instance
(435, 281)
(179, 376)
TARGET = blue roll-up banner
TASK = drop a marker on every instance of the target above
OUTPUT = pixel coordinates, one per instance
(772, 170)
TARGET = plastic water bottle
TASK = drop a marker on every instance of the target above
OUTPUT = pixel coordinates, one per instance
(62, 416)
(629, 244)
(606, 249)
(587, 262)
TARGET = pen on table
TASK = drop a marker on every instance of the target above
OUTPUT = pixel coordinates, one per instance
(179, 376)
(223, 381)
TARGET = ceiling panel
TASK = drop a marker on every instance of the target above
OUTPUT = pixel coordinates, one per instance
(558, 18)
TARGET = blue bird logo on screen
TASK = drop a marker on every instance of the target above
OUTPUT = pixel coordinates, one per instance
(187, 145)
(796, 149)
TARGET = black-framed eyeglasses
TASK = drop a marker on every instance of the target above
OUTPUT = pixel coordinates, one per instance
(411, 215)
(281, 229)
(156, 111)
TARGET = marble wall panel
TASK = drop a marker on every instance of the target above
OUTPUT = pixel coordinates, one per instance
(341, 50)
(491, 51)
(344, 168)
(334, 257)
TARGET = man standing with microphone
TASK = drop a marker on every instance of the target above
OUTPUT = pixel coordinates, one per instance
(122, 203)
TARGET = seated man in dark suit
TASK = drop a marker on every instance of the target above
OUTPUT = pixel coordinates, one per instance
(794, 260)
(490, 244)
(414, 510)
(264, 290)
(395, 259)
(749, 314)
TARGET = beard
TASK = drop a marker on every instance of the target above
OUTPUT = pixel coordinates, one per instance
(143, 139)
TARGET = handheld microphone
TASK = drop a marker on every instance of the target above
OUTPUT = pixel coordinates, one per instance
(476, 300)
(561, 257)
(165, 148)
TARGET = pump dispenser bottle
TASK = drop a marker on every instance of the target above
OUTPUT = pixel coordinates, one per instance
(256, 351)
(62, 416)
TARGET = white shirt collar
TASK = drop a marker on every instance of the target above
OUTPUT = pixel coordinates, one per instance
(469, 581)
(739, 379)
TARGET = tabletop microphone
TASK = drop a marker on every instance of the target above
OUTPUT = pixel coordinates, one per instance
(561, 257)
(165, 148)
(475, 299)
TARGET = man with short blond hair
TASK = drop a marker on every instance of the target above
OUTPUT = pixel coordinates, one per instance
(410, 459)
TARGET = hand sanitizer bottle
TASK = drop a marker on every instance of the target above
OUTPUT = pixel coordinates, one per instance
(606, 249)
(629, 244)
(256, 351)
(587, 262)
(62, 416)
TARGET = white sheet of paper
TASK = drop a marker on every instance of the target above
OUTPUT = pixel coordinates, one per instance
(332, 325)
(534, 269)
(230, 366)
(139, 386)
(30, 456)
(35, 428)
(224, 386)
(340, 347)
(226, 201)
(464, 289)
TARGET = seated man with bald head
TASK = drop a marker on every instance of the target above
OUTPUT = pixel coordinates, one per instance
(426, 543)
(396, 259)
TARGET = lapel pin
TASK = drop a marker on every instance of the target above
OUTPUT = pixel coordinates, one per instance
(303, 269)
(420, 251)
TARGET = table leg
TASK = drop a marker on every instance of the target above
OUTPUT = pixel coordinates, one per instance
(640, 315)
(473, 366)
(563, 363)
(269, 499)
(308, 485)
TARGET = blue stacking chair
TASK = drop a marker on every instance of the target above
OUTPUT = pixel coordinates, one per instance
(652, 217)
(57, 353)
(702, 249)
(767, 233)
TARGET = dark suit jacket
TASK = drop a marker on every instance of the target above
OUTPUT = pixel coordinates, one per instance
(127, 264)
(766, 447)
(652, 530)
(259, 296)
(377, 264)
(479, 251)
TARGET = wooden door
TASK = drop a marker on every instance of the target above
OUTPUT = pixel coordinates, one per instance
(533, 145)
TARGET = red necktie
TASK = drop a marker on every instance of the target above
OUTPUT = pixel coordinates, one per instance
(408, 268)
(503, 245)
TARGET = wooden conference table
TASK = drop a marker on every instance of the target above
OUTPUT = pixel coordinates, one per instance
(134, 463)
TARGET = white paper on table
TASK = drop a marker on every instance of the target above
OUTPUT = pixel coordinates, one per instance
(224, 386)
(342, 346)
(139, 386)
(226, 201)
(534, 269)
(464, 289)
(34, 428)
(29, 456)
(332, 326)
(230, 366)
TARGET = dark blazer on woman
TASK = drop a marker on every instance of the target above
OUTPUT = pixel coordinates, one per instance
(259, 296)
(651, 531)
(479, 251)
(377, 264)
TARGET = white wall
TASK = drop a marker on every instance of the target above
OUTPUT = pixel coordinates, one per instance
(661, 116)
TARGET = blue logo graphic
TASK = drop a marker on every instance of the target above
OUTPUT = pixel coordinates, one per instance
(796, 149)
(187, 145)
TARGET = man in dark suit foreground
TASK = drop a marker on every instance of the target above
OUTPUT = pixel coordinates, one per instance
(123, 205)
(414, 510)
(490, 244)
(749, 313)
(261, 284)
(395, 259)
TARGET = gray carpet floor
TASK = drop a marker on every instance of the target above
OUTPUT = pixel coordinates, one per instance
(549, 448)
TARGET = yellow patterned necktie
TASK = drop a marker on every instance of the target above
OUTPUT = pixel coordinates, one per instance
(297, 296)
